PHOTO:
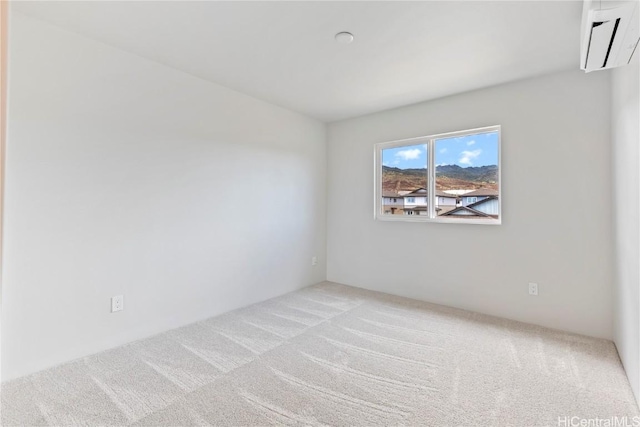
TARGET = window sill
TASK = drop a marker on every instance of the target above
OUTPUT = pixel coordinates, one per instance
(407, 218)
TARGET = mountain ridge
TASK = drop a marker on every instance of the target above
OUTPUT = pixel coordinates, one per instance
(448, 177)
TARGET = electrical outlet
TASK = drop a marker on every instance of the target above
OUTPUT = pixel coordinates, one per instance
(314, 260)
(117, 303)
(533, 289)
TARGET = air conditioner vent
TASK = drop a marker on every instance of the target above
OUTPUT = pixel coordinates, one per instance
(610, 35)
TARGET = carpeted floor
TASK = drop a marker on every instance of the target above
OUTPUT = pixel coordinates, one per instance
(334, 355)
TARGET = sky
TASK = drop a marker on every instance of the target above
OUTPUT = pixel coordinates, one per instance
(471, 150)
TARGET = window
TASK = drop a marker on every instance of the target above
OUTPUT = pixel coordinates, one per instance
(452, 177)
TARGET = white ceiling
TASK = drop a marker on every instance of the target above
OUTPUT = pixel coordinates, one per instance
(285, 52)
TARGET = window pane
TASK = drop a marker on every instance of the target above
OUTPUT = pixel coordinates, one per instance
(467, 176)
(404, 180)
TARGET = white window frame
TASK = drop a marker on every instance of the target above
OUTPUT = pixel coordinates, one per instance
(429, 141)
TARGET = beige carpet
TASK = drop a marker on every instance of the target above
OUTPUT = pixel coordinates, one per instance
(334, 355)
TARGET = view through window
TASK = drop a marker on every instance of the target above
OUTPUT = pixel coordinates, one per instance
(449, 177)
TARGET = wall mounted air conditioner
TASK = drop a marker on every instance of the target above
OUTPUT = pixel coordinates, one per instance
(610, 34)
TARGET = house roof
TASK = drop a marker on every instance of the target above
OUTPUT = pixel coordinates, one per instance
(392, 194)
(478, 203)
(481, 192)
(468, 209)
(443, 194)
(441, 210)
(422, 192)
(418, 192)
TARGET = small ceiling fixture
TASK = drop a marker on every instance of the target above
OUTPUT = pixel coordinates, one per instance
(344, 37)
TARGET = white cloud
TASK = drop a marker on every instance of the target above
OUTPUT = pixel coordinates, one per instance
(471, 142)
(443, 150)
(467, 157)
(410, 154)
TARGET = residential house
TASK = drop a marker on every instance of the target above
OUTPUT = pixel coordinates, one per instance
(485, 208)
(477, 195)
(445, 199)
(415, 202)
(392, 203)
(481, 203)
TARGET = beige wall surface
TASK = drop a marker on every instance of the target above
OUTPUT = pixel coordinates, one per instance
(128, 177)
(625, 142)
(556, 195)
(4, 32)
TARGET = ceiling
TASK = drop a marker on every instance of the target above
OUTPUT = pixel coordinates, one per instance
(285, 52)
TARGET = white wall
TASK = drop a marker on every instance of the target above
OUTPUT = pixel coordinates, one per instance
(625, 121)
(556, 225)
(128, 177)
